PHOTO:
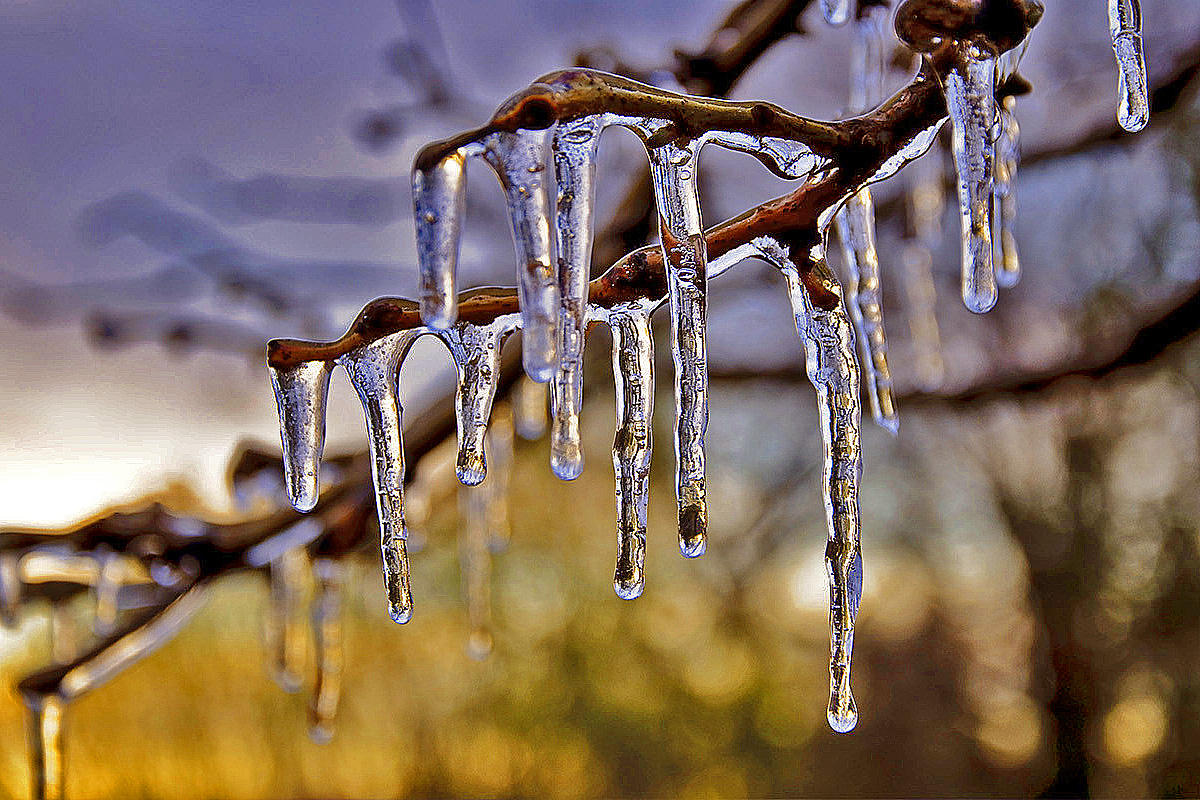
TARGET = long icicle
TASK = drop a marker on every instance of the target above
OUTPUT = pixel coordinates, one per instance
(633, 373)
(855, 224)
(439, 199)
(685, 254)
(519, 160)
(327, 638)
(300, 394)
(829, 355)
(1125, 27)
(374, 369)
(1008, 262)
(575, 146)
(926, 200)
(971, 101)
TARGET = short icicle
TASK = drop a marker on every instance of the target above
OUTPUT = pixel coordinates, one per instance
(1125, 27)
(285, 627)
(633, 373)
(971, 101)
(327, 639)
(529, 409)
(300, 394)
(520, 162)
(476, 353)
(926, 201)
(374, 371)
(46, 745)
(829, 355)
(500, 456)
(855, 224)
(1007, 260)
(575, 146)
(673, 167)
(439, 194)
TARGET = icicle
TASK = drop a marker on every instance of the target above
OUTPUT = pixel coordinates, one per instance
(633, 373)
(10, 588)
(829, 355)
(475, 563)
(855, 224)
(476, 353)
(519, 160)
(529, 409)
(500, 454)
(108, 588)
(1125, 26)
(971, 101)
(327, 638)
(926, 205)
(837, 12)
(575, 172)
(64, 634)
(46, 745)
(374, 369)
(673, 167)
(439, 201)
(300, 394)
(1008, 264)
(285, 626)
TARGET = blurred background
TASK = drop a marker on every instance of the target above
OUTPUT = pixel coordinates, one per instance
(186, 181)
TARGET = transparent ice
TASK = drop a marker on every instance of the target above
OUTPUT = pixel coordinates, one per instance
(1125, 27)
(971, 101)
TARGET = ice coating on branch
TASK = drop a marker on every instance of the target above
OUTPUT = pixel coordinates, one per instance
(855, 224)
(633, 373)
(439, 197)
(673, 168)
(373, 370)
(476, 353)
(327, 635)
(1125, 27)
(1008, 262)
(829, 355)
(575, 173)
(837, 12)
(519, 160)
(285, 627)
(47, 705)
(971, 101)
(300, 394)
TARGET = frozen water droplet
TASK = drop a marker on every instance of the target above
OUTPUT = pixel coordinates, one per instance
(575, 170)
(439, 199)
(519, 160)
(971, 101)
(1008, 262)
(1125, 26)
(373, 370)
(633, 372)
(686, 258)
(300, 394)
(327, 637)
